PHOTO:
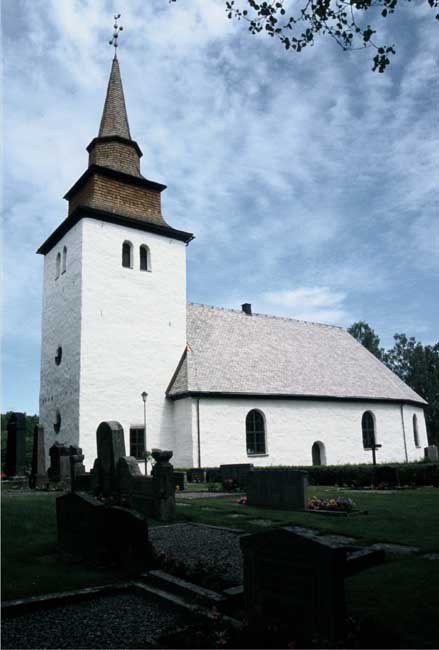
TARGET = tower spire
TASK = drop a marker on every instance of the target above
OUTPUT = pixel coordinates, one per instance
(114, 117)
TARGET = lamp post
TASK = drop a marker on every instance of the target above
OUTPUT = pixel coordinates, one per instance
(144, 398)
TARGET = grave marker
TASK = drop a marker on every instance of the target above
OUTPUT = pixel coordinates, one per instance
(277, 488)
(15, 461)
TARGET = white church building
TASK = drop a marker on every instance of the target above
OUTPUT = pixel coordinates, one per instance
(223, 386)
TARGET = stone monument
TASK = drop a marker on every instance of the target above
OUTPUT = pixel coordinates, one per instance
(38, 476)
(15, 461)
(277, 488)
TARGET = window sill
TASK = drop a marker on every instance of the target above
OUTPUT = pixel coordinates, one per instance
(257, 455)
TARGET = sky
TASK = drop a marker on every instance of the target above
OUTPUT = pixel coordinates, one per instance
(311, 183)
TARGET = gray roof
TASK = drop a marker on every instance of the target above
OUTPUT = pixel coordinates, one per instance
(231, 352)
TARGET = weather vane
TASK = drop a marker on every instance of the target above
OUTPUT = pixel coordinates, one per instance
(117, 29)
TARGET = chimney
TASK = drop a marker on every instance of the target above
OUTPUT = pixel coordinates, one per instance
(247, 308)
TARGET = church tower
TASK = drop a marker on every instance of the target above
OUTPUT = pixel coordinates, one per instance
(114, 303)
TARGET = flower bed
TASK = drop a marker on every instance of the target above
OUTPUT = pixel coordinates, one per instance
(335, 504)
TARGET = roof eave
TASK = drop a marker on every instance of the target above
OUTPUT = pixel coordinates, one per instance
(110, 217)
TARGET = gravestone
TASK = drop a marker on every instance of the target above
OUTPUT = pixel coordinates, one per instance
(101, 535)
(237, 472)
(152, 496)
(111, 446)
(277, 488)
(431, 453)
(59, 470)
(77, 468)
(300, 580)
(196, 475)
(15, 461)
(38, 476)
(180, 481)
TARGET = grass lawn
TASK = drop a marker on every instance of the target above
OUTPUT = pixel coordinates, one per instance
(405, 517)
(397, 601)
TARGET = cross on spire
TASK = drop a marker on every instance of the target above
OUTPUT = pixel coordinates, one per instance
(114, 40)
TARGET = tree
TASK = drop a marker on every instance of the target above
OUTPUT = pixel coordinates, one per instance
(342, 20)
(418, 366)
(367, 337)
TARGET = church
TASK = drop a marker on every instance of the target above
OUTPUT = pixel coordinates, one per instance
(120, 342)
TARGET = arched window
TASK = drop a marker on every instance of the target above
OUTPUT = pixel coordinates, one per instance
(255, 433)
(58, 355)
(58, 266)
(64, 259)
(127, 255)
(415, 430)
(368, 428)
(57, 423)
(318, 453)
(145, 258)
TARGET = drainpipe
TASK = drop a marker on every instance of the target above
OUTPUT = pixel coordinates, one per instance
(403, 433)
(198, 432)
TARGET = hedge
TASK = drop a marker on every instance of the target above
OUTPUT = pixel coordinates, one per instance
(411, 474)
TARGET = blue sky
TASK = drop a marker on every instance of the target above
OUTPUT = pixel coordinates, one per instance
(310, 183)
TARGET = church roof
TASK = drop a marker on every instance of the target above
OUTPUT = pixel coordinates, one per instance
(230, 352)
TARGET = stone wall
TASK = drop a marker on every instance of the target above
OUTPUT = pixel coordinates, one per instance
(293, 426)
(61, 326)
(133, 332)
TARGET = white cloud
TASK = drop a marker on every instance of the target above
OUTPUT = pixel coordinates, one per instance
(309, 303)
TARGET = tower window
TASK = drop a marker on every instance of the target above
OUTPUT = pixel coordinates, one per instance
(57, 423)
(127, 255)
(58, 266)
(415, 430)
(64, 259)
(368, 429)
(145, 258)
(255, 433)
(58, 355)
(137, 442)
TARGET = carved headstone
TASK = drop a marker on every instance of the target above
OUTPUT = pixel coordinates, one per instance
(102, 535)
(76, 466)
(15, 461)
(295, 579)
(127, 468)
(277, 488)
(38, 477)
(111, 446)
(59, 470)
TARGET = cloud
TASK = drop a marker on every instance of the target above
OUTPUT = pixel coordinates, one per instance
(309, 303)
(305, 178)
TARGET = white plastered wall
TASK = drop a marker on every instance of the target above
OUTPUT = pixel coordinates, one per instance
(293, 426)
(61, 322)
(133, 332)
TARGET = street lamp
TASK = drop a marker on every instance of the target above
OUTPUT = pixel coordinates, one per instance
(144, 398)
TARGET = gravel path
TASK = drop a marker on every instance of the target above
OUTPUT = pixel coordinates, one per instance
(214, 548)
(118, 621)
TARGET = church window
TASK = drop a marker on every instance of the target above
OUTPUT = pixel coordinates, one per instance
(58, 266)
(318, 453)
(57, 423)
(127, 255)
(64, 259)
(145, 258)
(255, 433)
(137, 442)
(368, 428)
(415, 430)
(58, 355)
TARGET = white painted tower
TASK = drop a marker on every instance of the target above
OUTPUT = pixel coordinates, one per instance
(114, 307)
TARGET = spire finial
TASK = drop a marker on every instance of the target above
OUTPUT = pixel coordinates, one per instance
(117, 28)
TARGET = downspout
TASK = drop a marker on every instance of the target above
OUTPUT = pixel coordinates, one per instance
(403, 433)
(198, 432)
